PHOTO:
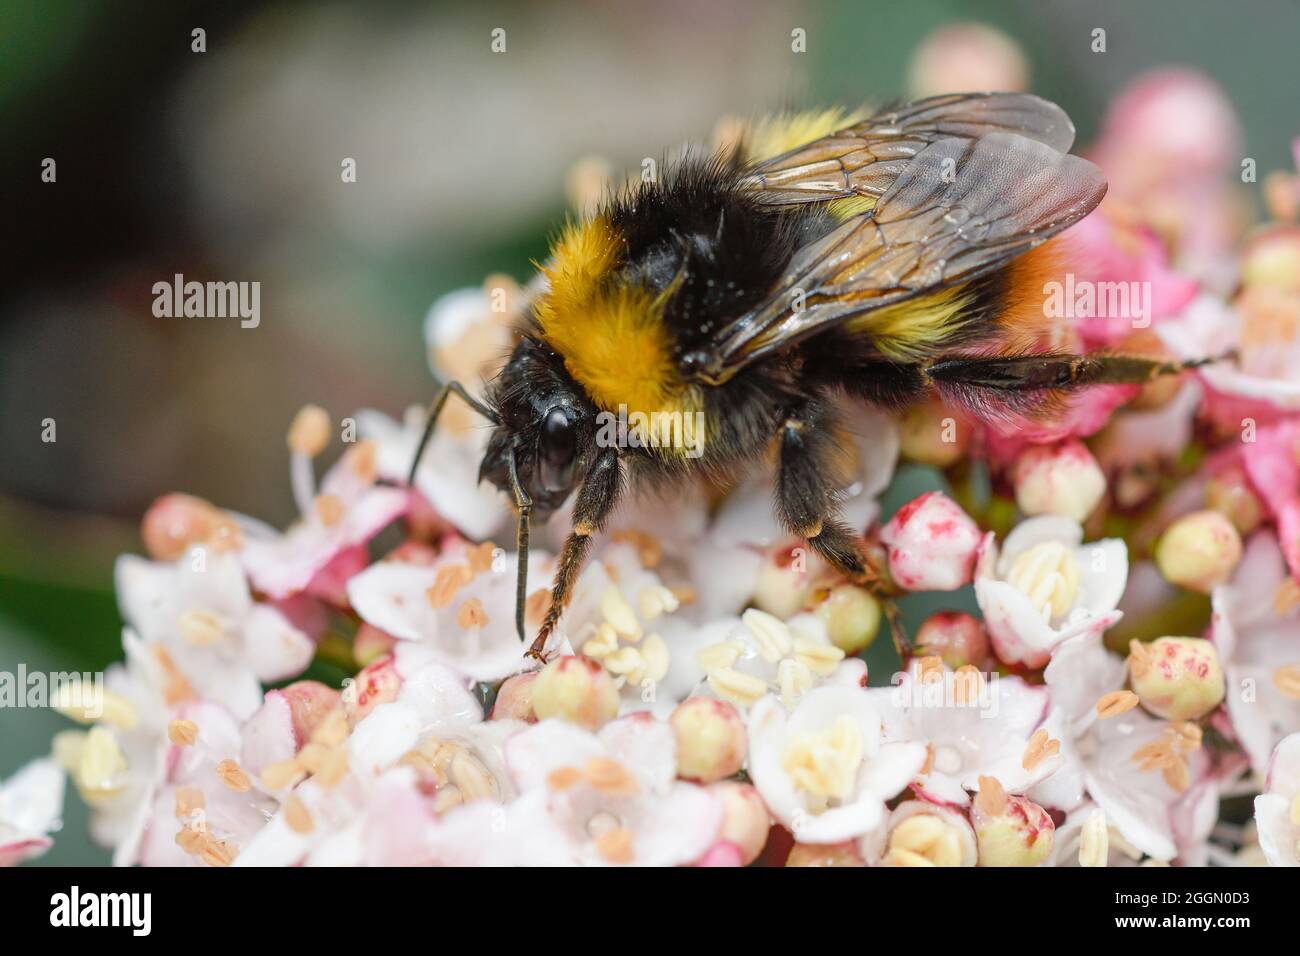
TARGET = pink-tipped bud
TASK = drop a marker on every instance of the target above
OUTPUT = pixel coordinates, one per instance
(1230, 494)
(955, 637)
(967, 58)
(1177, 678)
(852, 618)
(1271, 260)
(309, 702)
(930, 434)
(745, 820)
(377, 683)
(784, 580)
(1199, 551)
(370, 644)
(1061, 479)
(576, 689)
(515, 699)
(825, 854)
(1010, 830)
(711, 740)
(932, 544)
(175, 522)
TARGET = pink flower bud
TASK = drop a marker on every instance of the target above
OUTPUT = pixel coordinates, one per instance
(1199, 551)
(745, 820)
(1010, 830)
(175, 522)
(377, 683)
(955, 637)
(932, 544)
(577, 689)
(929, 433)
(1178, 678)
(722, 853)
(309, 702)
(515, 699)
(825, 854)
(1271, 260)
(711, 740)
(1230, 494)
(852, 618)
(370, 644)
(784, 580)
(967, 58)
(1059, 479)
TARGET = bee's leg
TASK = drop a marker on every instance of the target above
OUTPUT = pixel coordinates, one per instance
(805, 491)
(435, 409)
(524, 503)
(596, 498)
(1034, 373)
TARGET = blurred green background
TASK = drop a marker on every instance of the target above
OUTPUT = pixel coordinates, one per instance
(226, 165)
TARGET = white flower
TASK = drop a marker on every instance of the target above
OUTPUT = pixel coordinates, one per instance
(199, 608)
(743, 660)
(608, 798)
(943, 837)
(825, 770)
(1120, 760)
(31, 808)
(204, 794)
(1255, 641)
(1081, 672)
(993, 727)
(1046, 586)
(327, 544)
(1268, 369)
(421, 751)
(625, 617)
(462, 607)
(1277, 810)
(1086, 838)
(448, 472)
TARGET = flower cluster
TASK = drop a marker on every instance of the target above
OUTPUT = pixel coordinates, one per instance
(1135, 659)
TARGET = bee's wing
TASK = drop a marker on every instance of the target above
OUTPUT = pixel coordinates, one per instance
(863, 159)
(959, 210)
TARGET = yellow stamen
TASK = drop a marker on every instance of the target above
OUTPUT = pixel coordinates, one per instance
(1116, 703)
(310, 431)
(329, 508)
(183, 733)
(200, 627)
(471, 615)
(616, 846)
(1048, 575)
(233, 777)
(1041, 747)
(448, 580)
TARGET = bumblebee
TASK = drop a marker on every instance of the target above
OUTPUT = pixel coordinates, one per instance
(825, 256)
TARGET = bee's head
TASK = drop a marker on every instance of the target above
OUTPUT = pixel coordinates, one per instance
(547, 423)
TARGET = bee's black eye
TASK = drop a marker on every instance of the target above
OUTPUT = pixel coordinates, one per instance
(556, 450)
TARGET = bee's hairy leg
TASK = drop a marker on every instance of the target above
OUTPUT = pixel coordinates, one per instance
(805, 491)
(431, 419)
(596, 499)
(1015, 373)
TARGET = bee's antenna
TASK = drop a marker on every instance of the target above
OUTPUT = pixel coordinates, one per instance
(435, 409)
(525, 505)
